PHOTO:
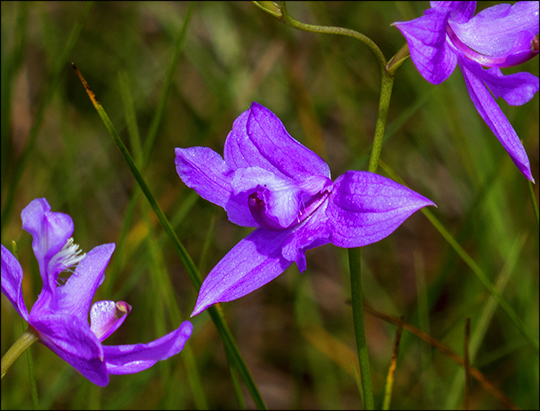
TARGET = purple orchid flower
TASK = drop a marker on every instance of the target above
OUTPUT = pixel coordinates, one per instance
(498, 37)
(270, 181)
(60, 314)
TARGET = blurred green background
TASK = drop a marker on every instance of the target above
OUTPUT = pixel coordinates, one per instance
(295, 333)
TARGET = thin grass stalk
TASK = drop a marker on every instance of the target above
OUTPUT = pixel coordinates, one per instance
(533, 202)
(152, 132)
(31, 373)
(481, 378)
(236, 384)
(471, 263)
(484, 319)
(359, 327)
(185, 258)
(467, 363)
(423, 321)
(156, 120)
(392, 369)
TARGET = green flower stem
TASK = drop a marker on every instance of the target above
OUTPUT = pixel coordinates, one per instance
(185, 258)
(388, 69)
(387, 82)
(20, 346)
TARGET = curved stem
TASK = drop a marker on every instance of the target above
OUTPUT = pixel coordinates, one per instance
(286, 19)
(388, 69)
(20, 346)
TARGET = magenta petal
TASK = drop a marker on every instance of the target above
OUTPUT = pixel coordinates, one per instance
(74, 342)
(426, 37)
(107, 316)
(204, 170)
(128, 359)
(462, 11)
(50, 232)
(75, 297)
(495, 119)
(366, 207)
(495, 30)
(12, 276)
(517, 89)
(259, 139)
(253, 262)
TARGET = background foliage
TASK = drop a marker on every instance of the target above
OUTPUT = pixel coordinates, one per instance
(295, 333)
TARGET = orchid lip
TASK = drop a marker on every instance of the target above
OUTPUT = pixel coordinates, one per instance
(258, 210)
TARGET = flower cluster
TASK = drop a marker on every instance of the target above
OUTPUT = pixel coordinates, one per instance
(501, 36)
(60, 314)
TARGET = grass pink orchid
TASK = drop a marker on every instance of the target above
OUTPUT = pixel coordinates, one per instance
(269, 180)
(60, 314)
(500, 36)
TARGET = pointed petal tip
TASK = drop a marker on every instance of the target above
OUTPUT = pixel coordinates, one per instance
(428, 202)
(526, 171)
(199, 308)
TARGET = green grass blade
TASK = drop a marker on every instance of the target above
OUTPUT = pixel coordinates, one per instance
(471, 263)
(534, 203)
(360, 331)
(150, 138)
(185, 258)
(483, 321)
(236, 384)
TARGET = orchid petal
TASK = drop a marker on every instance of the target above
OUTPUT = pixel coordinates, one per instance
(461, 11)
(253, 262)
(204, 170)
(426, 37)
(50, 232)
(495, 118)
(280, 196)
(259, 139)
(107, 316)
(495, 30)
(73, 341)
(12, 276)
(75, 297)
(128, 359)
(366, 207)
(516, 89)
